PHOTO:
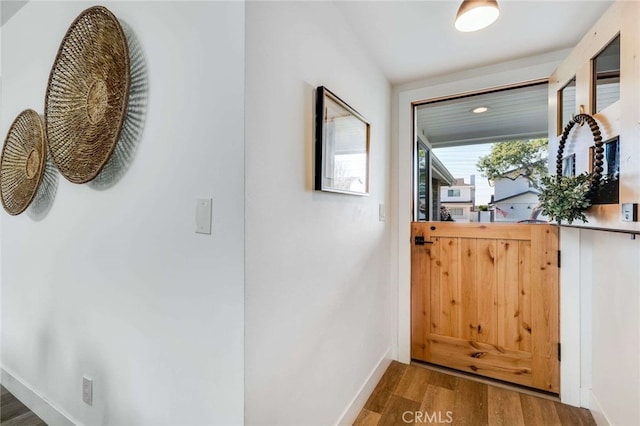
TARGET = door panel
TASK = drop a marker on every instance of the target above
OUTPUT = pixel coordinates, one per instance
(485, 300)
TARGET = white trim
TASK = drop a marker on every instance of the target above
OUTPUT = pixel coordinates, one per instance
(570, 367)
(498, 75)
(598, 414)
(585, 398)
(357, 403)
(37, 403)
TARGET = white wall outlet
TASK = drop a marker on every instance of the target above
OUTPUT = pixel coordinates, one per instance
(203, 215)
(382, 214)
(629, 212)
(87, 390)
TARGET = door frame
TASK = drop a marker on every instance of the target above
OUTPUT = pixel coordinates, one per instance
(481, 79)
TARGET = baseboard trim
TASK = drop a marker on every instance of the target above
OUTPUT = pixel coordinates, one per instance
(37, 403)
(350, 414)
(598, 413)
(585, 398)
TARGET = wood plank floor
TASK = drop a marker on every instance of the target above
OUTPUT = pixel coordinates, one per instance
(414, 395)
(15, 413)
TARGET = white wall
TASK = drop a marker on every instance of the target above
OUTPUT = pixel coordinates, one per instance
(115, 284)
(605, 268)
(318, 289)
(615, 320)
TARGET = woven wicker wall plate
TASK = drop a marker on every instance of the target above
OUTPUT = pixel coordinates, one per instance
(22, 162)
(87, 95)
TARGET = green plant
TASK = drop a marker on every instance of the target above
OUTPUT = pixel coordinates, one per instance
(566, 197)
(516, 159)
(483, 208)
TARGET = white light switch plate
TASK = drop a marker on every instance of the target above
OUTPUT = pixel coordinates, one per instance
(87, 390)
(203, 215)
(382, 215)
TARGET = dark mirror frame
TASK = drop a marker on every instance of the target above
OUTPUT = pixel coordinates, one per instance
(326, 137)
(562, 120)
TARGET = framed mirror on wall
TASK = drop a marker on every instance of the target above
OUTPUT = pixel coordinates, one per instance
(605, 74)
(342, 146)
(566, 104)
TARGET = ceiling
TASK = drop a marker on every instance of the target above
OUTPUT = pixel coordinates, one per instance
(411, 40)
(512, 114)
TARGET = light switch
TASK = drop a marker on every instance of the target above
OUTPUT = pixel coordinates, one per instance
(630, 212)
(87, 390)
(381, 212)
(203, 215)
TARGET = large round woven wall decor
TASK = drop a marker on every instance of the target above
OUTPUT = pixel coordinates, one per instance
(23, 161)
(87, 95)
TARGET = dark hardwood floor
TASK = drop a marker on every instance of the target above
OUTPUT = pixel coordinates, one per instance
(415, 395)
(15, 413)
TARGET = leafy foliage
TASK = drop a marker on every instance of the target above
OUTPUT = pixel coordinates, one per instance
(566, 198)
(513, 159)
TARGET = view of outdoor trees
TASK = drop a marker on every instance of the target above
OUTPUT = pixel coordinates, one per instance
(500, 180)
(516, 159)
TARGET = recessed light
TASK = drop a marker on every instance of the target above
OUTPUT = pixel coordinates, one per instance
(480, 110)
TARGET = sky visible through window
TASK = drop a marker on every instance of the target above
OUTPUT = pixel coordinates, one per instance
(461, 162)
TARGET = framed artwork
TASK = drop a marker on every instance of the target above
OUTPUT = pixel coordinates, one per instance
(342, 146)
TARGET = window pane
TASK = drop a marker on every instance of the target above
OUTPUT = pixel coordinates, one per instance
(423, 162)
(569, 165)
(606, 71)
(566, 104)
(612, 159)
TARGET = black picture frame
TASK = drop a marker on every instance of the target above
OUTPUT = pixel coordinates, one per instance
(342, 146)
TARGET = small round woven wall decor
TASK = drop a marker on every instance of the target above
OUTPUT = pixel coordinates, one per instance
(22, 162)
(87, 95)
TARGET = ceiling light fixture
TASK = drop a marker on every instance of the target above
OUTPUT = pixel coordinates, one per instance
(480, 110)
(475, 15)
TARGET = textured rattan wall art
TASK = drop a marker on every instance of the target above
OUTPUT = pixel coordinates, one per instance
(43, 200)
(87, 95)
(133, 125)
(23, 162)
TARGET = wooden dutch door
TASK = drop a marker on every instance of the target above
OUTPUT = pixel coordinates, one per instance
(485, 300)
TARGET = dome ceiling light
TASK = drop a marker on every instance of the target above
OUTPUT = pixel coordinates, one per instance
(474, 15)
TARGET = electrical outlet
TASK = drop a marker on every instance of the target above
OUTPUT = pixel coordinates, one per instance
(630, 212)
(203, 215)
(87, 390)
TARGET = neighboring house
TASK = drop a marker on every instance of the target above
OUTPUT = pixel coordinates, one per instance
(459, 198)
(514, 198)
